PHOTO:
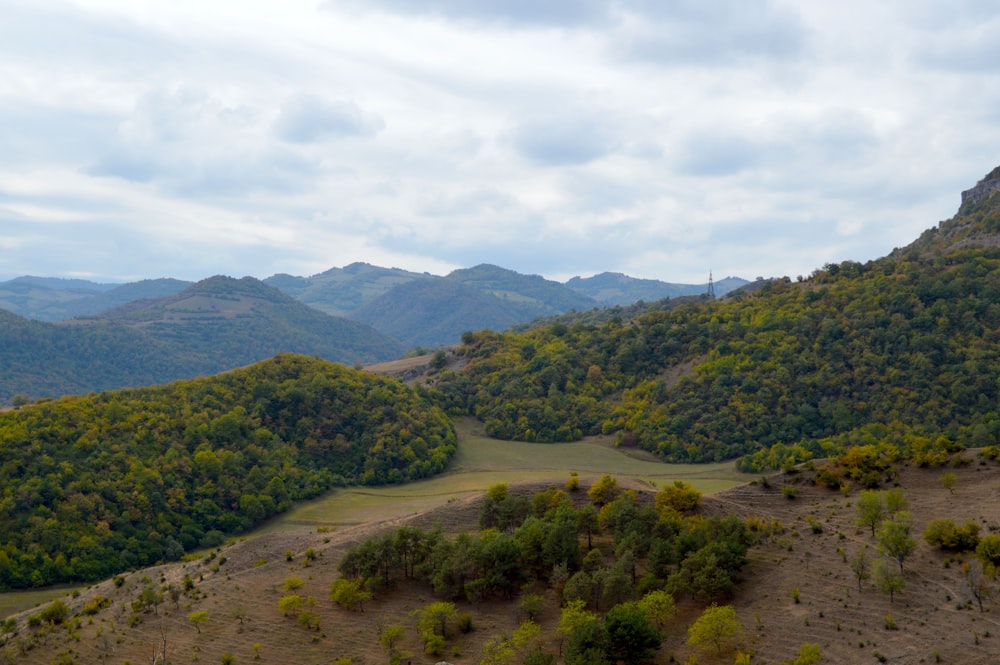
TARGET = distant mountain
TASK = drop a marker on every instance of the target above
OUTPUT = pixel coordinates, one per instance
(51, 299)
(240, 321)
(435, 311)
(41, 359)
(532, 292)
(614, 288)
(489, 297)
(214, 325)
(340, 291)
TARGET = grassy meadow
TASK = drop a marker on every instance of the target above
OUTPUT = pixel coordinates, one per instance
(482, 461)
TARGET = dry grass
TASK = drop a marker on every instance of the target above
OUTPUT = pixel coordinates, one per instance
(932, 614)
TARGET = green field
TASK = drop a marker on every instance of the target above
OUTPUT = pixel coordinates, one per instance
(479, 463)
(482, 461)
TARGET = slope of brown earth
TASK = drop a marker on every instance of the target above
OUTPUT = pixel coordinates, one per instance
(936, 617)
(240, 588)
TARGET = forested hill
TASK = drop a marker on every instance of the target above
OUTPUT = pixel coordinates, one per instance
(90, 486)
(901, 350)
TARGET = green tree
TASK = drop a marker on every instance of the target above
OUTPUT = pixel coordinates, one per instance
(888, 580)
(631, 637)
(349, 594)
(895, 542)
(988, 553)
(532, 604)
(290, 604)
(948, 481)
(503, 650)
(198, 618)
(871, 509)
(390, 638)
(861, 566)
(679, 497)
(588, 644)
(658, 606)
(434, 618)
(574, 614)
(808, 655)
(716, 628)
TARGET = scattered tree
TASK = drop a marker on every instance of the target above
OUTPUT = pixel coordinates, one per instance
(349, 594)
(861, 566)
(198, 618)
(717, 627)
(895, 542)
(871, 509)
(888, 580)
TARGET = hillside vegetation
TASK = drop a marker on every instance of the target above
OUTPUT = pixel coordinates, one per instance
(99, 484)
(899, 349)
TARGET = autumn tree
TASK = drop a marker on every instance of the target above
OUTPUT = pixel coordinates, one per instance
(716, 628)
(349, 594)
(604, 490)
(198, 618)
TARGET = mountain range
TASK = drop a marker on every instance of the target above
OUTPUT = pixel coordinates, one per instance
(61, 336)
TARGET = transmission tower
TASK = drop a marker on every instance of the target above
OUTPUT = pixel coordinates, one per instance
(711, 286)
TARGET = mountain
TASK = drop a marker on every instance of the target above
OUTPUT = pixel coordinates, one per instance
(341, 291)
(614, 288)
(42, 359)
(435, 311)
(240, 321)
(46, 298)
(50, 299)
(212, 326)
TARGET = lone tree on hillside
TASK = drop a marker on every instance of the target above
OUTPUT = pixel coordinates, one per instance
(861, 566)
(717, 627)
(895, 542)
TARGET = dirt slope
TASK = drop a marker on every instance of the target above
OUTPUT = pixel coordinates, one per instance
(934, 620)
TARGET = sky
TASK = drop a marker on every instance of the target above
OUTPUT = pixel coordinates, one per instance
(662, 139)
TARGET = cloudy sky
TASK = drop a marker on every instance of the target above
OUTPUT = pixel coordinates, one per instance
(659, 138)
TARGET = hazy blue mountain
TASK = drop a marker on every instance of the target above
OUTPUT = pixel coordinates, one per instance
(217, 324)
(615, 288)
(52, 299)
(435, 311)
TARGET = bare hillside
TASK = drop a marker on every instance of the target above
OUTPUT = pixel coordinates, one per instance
(935, 616)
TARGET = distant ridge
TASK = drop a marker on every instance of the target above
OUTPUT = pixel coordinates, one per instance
(615, 288)
(218, 324)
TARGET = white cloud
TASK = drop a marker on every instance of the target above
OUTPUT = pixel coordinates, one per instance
(659, 139)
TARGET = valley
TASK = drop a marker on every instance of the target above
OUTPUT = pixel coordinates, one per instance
(811, 464)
